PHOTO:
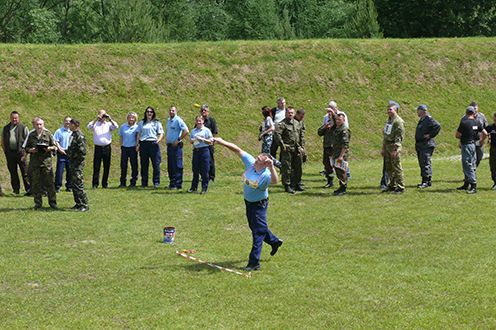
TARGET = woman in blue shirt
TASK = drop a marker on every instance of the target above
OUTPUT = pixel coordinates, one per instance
(201, 137)
(150, 133)
(259, 174)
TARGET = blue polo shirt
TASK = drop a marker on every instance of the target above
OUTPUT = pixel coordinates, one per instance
(255, 184)
(175, 128)
(149, 131)
(201, 132)
(62, 136)
(129, 135)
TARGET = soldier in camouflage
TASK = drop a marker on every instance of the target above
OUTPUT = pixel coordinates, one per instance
(290, 137)
(77, 154)
(340, 145)
(40, 145)
(394, 132)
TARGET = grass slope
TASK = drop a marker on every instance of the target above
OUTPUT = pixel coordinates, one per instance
(237, 78)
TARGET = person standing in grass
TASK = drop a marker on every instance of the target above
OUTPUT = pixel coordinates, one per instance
(469, 132)
(61, 137)
(210, 123)
(394, 132)
(341, 143)
(175, 133)
(267, 134)
(14, 134)
(40, 145)
(129, 140)
(482, 120)
(150, 133)
(201, 138)
(77, 154)
(102, 127)
(259, 174)
(278, 114)
(427, 129)
(491, 131)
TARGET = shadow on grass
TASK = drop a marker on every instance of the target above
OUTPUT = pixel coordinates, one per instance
(45, 209)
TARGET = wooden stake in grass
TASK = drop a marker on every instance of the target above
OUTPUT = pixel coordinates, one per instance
(186, 254)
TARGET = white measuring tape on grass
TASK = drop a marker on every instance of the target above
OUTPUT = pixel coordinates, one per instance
(187, 254)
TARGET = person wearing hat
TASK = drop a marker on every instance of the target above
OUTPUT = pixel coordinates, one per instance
(394, 132)
(491, 131)
(469, 132)
(41, 145)
(210, 123)
(427, 129)
(76, 152)
(481, 119)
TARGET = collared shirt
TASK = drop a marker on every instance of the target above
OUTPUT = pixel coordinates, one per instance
(175, 127)
(33, 140)
(203, 132)
(279, 115)
(62, 136)
(394, 131)
(12, 138)
(129, 135)
(427, 125)
(255, 184)
(150, 130)
(102, 132)
(211, 124)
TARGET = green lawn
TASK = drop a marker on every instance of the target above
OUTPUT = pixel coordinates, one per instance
(424, 259)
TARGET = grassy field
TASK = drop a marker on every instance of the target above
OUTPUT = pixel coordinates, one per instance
(423, 259)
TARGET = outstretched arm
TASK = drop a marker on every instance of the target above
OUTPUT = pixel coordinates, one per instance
(229, 145)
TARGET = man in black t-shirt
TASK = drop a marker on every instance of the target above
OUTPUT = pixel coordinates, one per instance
(491, 131)
(468, 132)
(211, 124)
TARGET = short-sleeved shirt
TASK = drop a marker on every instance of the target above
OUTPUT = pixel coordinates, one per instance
(268, 123)
(255, 184)
(203, 132)
(150, 130)
(469, 130)
(62, 136)
(211, 124)
(279, 115)
(175, 127)
(491, 130)
(129, 135)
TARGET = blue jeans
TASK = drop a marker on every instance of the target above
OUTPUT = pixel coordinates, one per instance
(62, 162)
(129, 153)
(469, 160)
(150, 150)
(175, 165)
(256, 213)
(201, 166)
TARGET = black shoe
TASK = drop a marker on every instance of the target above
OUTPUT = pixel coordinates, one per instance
(251, 268)
(27, 194)
(276, 247)
(104, 186)
(398, 191)
(340, 192)
(37, 207)
(289, 190)
(83, 209)
(53, 206)
(464, 187)
(299, 188)
(172, 188)
(122, 185)
(75, 207)
(423, 185)
(132, 186)
(68, 189)
(204, 190)
(16, 192)
(191, 190)
(57, 190)
(95, 186)
(472, 189)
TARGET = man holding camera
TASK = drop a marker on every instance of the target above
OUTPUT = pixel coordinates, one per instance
(102, 127)
(41, 145)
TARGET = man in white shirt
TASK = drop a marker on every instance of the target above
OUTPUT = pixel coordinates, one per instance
(102, 127)
(278, 114)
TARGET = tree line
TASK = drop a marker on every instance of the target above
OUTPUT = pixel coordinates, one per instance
(90, 21)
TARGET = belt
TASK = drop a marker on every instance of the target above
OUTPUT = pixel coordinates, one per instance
(253, 203)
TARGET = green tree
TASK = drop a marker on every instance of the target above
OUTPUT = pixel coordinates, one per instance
(364, 23)
(43, 27)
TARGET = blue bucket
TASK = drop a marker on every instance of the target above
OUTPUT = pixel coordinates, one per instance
(169, 233)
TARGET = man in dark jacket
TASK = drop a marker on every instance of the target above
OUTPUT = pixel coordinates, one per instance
(427, 129)
(13, 136)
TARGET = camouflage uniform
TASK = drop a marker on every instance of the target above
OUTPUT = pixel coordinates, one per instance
(40, 166)
(76, 152)
(340, 140)
(290, 136)
(327, 151)
(394, 132)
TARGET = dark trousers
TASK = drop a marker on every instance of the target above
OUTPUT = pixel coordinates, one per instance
(14, 159)
(424, 156)
(129, 154)
(62, 163)
(175, 165)
(273, 149)
(150, 150)
(385, 175)
(479, 154)
(211, 171)
(492, 162)
(102, 154)
(256, 213)
(201, 166)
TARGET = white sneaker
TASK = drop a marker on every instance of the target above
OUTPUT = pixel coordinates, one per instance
(494, 187)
